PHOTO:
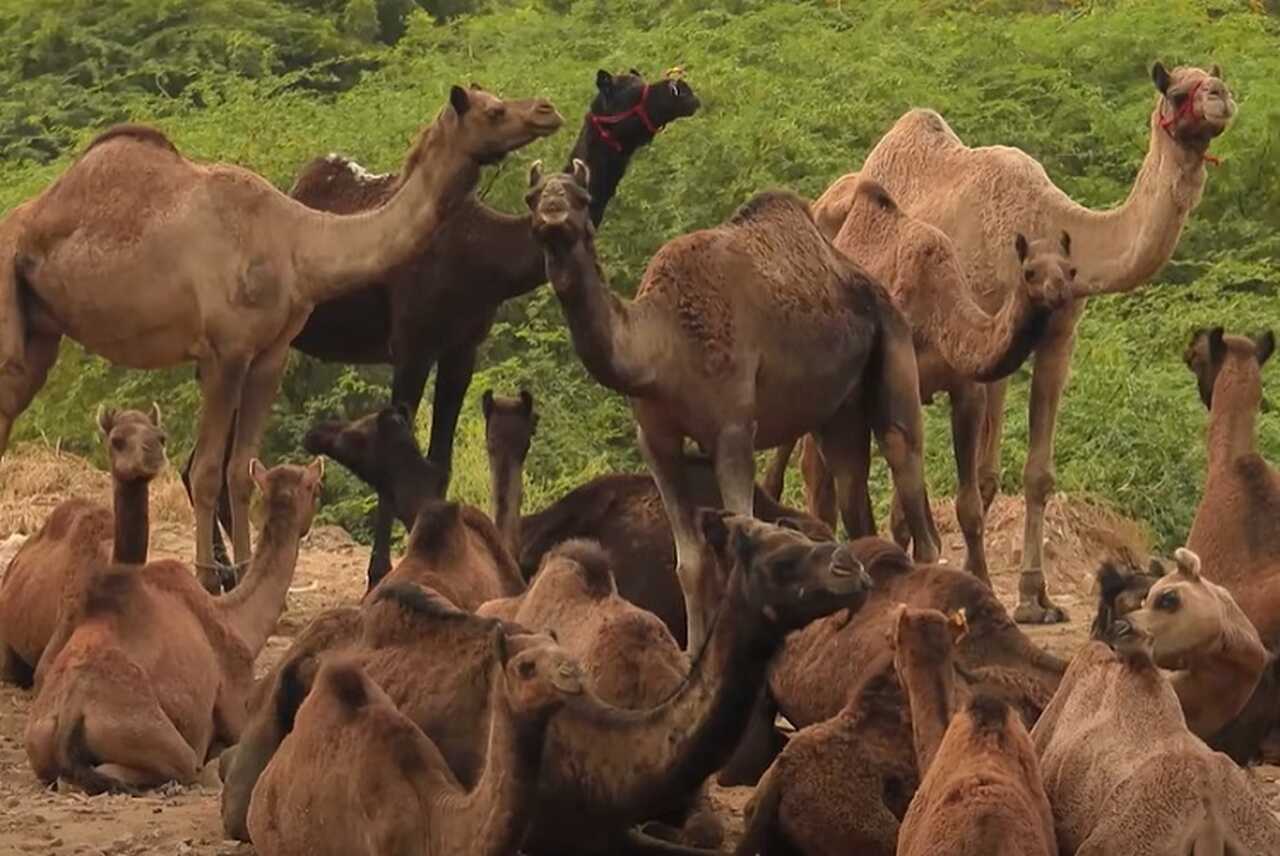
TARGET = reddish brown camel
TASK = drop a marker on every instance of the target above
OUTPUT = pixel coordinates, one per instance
(439, 307)
(979, 196)
(720, 365)
(150, 260)
(509, 426)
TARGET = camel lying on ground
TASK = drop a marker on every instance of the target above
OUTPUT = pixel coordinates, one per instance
(78, 535)
(148, 674)
(395, 793)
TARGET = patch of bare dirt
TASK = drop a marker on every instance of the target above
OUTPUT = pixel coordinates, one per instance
(185, 821)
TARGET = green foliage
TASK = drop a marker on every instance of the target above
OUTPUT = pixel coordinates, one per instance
(794, 94)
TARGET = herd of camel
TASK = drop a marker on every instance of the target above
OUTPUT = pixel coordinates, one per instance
(569, 681)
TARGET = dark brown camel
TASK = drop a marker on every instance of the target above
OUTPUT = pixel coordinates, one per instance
(439, 307)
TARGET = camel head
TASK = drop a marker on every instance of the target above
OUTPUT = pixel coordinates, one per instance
(628, 110)
(1194, 105)
(135, 443)
(561, 205)
(927, 634)
(1047, 270)
(290, 490)
(509, 424)
(1183, 612)
(540, 675)
(788, 578)
(1120, 592)
(1130, 641)
(488, 128)
(1210, 350)
(372, 446)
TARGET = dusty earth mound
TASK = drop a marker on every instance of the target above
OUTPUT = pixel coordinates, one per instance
(185, 822)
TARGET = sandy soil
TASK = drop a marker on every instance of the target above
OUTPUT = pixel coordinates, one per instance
(183, 821)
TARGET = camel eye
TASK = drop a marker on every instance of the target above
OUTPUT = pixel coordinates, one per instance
(118, 443)
(1072, 273)
(1168, 601)
(526, 669)
(163, 439)
(1030, 275)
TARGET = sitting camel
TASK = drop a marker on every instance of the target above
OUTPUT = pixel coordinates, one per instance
(979, 196)
(148, 673)
(396, 793)
(959, 346)
(1125, 775)
(721, 365)
(509, 426)
(843, 785)
(149, 259)
(75, 538)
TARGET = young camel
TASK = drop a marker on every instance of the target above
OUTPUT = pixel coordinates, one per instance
(397, 794)
(1125, 775)
(230, 269)
(75, 538)
(979, 196)
(148, 674)
(959, 346)
(509, 426)
(720, 365)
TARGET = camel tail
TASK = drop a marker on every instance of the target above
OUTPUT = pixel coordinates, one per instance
(13, 323)
(78, 764)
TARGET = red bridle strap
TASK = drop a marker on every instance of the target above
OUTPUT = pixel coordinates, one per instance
(641, 109)
(1187, 109)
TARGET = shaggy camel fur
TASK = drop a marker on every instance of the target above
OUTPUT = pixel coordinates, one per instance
(76, 537)
(958, 344)
(844, 784)
(396, 794)
(229, 269)
(979, 196)
(982, 795)
(439, 307)
(1123, 773)
(721, 365)
(148, 674)
(509, 426)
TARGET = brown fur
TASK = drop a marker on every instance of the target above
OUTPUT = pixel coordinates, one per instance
(509, 426)
(924, 643)
(151, 671)
(142, 133)
(727, 322)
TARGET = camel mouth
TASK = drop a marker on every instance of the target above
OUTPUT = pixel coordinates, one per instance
(568, 680)
(322, 439)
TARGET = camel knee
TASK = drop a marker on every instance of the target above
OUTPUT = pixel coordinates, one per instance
(970, 511)
(206, 481)
(1038, 484)
(239, 481)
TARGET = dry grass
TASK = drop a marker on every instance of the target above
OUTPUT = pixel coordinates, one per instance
(35, 477)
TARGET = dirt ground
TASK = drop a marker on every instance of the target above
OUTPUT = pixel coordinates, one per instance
(184, 821)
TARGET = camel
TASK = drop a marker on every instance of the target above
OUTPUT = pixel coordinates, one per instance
(843, 785)
(397, 793)
(148, 675)
(721, 365)
(230, 268)
(438, 308)
(622, 511)
(958, 344)
(982, 795)
(979, 196)
(509, 426)
(76, 537)
(1125, 775)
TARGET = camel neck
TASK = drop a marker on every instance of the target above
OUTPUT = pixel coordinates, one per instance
(132, 521)
(337, 254)
(413, 483)
(1216, 684)
(253, 607)
(506, 489)
(1233, 416)
(930, 688)
(608, 167)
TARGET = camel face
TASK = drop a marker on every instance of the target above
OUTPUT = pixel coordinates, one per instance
(1196, 105)
(135, 443)
(663, 101)
(928, 633)
(1210, 349)
(299, 487)
(1182, 612)
(369, 445)
(561, 205)
(541, 678)
(490, 128)
(1047, 269)
(510, 424)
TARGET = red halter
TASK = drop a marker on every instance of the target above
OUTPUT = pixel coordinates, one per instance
(1188, 109)
(601, 123)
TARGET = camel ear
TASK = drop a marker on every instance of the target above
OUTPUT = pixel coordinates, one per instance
(1217, 347)
(1264, 345)
(258, 473)
(486, 403)
(1188, 562)
(535, 173)
(315, 472)
(1215, 70)
(581, 172)
(1160, 77)
(155, 415)
(1020, 244)
(1066, 243)
(958, 624)
(106, 418)
(459, 100)
(604, 81)
(526, 402)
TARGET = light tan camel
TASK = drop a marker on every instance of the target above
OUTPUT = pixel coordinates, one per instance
(982, 794)
(149, 674)
(395, 793)
(719, 364)
(1123, 773)
(509, 426)
(79, 535)
(979, 197)
(958, 344)
(229, 267)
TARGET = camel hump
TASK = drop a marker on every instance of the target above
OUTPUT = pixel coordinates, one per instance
(108, 590)
(141, 133)
(988, 712)
(595, 561)
(771, 203)
(435, 522)
(875, 191)
(882, 559)
(345, 681)
(419, 600)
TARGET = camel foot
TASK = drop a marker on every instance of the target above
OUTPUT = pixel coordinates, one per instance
(1034, 613)
(218, 579)
(1034, 605)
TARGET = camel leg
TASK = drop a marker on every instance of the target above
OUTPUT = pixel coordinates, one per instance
(845, 444)
(18, 388)
(221, 384)
(992, 433)
(665, 457)
(968, 403)
(453, 378)
(224, 500)
(1048, 379)
(775, 477)
(735, 468)
(819, 486)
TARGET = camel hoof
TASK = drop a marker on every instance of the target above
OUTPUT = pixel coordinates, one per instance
(1034, 613)
(704, 830)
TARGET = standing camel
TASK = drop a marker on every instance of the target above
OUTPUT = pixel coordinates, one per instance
(728, 326)
(979, 196)
(437, 308)
(150, 259)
